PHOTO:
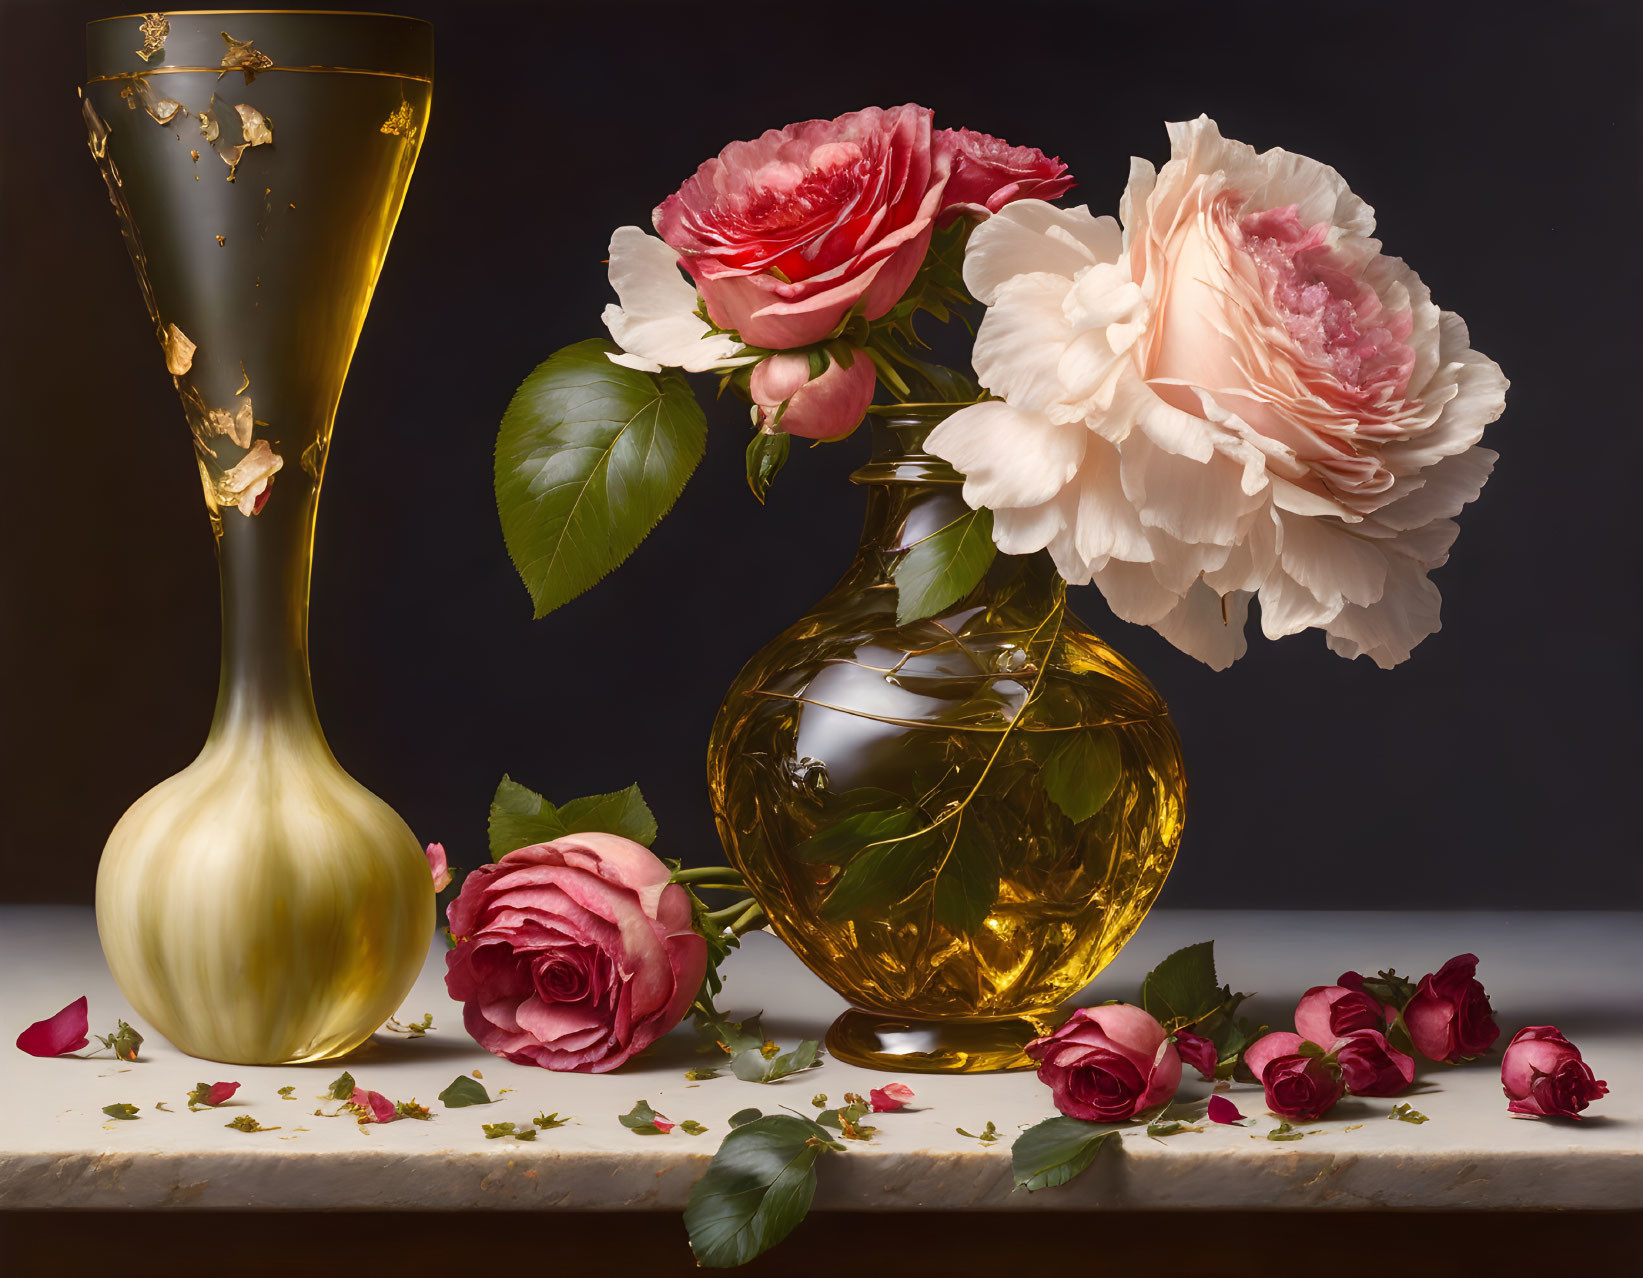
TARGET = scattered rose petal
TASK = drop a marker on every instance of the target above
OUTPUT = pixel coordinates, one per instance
(1221, 1110)
(1197, 1051)
(68, 1031)
(380, 1107)
(438, 867)
(212, 1094)
(889, 1098)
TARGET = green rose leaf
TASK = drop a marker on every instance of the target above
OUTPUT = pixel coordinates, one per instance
(752, 1066)
(590, 456)
(690, 1127)
(742, 1117)
(642, 1119)
(766, 456)
(464, 1091)
(342, 1087)
(967, 879)
(1083, 771)
(880, 876)
(837, 843)
(1052, 1152)
(940, 569)
(520, 817)
(625, 813)
(1182, 990)
(756, 1191)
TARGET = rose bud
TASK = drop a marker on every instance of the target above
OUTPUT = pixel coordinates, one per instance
(67, 1031)
(1370, 1066)
(989, 173)
(1197, 1051)
(1328, 1012)
(826, 407)
(889, 1098)
(1107, 1063)
(573, 955)
(211, 1094)
(1449, 1018)
(1543, 1075)
(1297, 1084)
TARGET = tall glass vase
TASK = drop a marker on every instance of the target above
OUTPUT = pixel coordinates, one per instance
(958, 822)
(261, 906)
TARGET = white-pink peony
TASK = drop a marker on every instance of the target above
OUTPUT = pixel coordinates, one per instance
(1238, 396)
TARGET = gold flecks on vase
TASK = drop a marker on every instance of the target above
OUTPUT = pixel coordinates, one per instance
(209, 128)
(222, 241)
(195, 156)
(401, 122)
(160, 110)
(254, 126)
(179, 351)
(155, 29)
(242, 57)
(246, 384)
(245, 486)
(128, 95)
(96, 130)
(313, 458)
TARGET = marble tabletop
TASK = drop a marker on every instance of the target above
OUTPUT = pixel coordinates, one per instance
(1579, 971)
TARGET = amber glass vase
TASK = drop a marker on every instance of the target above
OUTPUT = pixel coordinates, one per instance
(261, 906)
(955, 823)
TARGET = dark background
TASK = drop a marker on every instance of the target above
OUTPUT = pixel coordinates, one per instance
(1499, 145)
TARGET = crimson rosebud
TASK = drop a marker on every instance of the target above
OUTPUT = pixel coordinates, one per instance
(1328, 1012)
(1107, 1063)
(1543, 1075)
(1297, 1084)
(1197, 1051)
(1449, 1018)
(1370, 1066)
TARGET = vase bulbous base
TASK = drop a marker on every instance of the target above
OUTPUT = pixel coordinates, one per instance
(878, 1040)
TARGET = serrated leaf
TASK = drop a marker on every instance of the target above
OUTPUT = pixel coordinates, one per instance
(766, 455)
(589, 457)
(756, 1191)
(880, 876)
(939, 570)
(464, 1091)
(838, 843)
(521, 818)
(1052, 1152)
(1083, 771)
(967, 879)
(625, 813)
(1182, 990)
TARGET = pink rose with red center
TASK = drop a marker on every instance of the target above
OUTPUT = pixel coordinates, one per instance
(1544, 1075)
(1108, 1063)
(573, 955)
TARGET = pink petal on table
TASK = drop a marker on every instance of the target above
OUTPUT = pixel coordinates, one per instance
(889, 1098)
(1221, 1110)
(382, 1109)
(662, 1125)
(68, 1031)
(217, 1093)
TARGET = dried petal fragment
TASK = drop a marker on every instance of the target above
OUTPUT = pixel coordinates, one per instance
(179, 351)
(155, 29)
(244, 486)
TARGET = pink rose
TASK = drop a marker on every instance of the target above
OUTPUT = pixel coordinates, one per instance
(573, 955)
(1370, 1066)
(1197, 1051)
(889, 1098)
(1449, 1018)
(1107, 1063)
(1543, 1074)
(786, 234)
(989, 173)
(825, 407)
(1328, 1012)
(1296, 1085)
(68, 1031)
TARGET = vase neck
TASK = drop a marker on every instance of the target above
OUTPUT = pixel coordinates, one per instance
(266, 561)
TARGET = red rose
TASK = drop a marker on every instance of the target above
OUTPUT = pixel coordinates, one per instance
(1328, 1012)
(573, 955)
(1197, 1051)
(1297, 1085)
(1449, 1018)
(1370, 1066)
(1107, 1063)
(989, 173)
(785, 234)
(1543, 1074)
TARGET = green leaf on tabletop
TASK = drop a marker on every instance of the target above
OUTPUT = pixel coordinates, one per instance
(819, 1099)
(966, 878)
(987, 1135)
(410, 1109)
(732, 1037)
(163, 1107)
(288, 1093)
(1170, 1127)
(464, 1091)
(938, 570)
(1285, 1130)
(123, 1042)
(701, 1075)
(245, 1123)
(122, 1111)
(643, 1120)
(756, 1191)
(589, 457)
(625, 813)
(547, 1122)
(754, 1066)
(880, 876)
(846, 1119)
(411, 1029)
(497, 1131)
(766, 456)
(744, 1116)
(691, 1127)
(1082, 771)
(1052, 1152)
(1182, 990)
(1406, 1113)
(341, 1088)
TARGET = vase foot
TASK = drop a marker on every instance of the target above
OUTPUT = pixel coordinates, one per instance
(877, 1040)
